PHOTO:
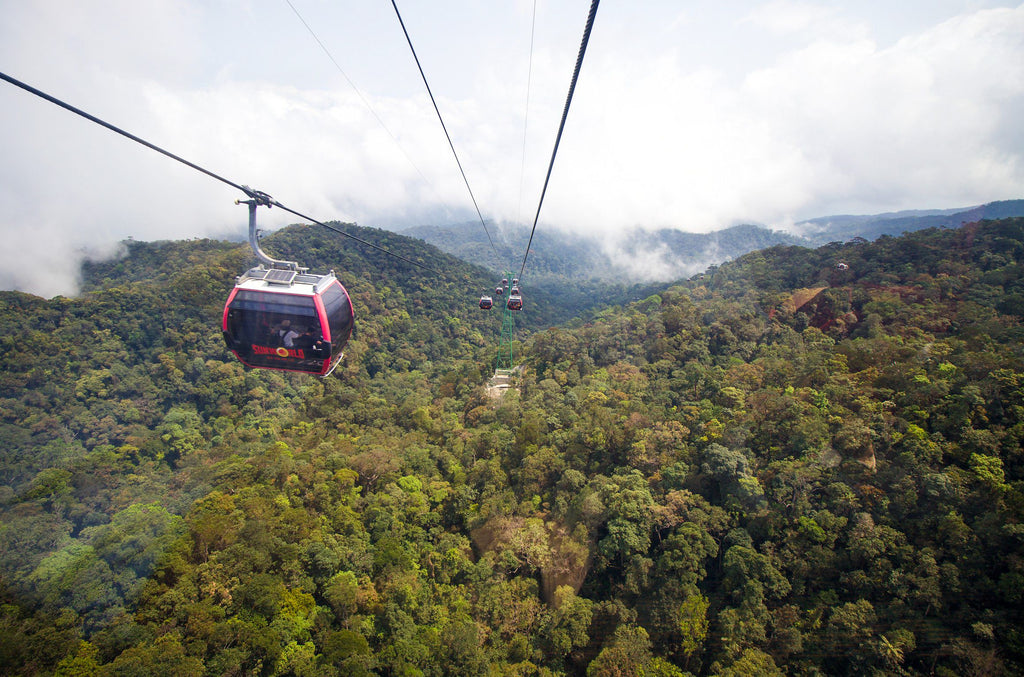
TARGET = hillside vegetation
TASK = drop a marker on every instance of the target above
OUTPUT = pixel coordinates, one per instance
(571, 261)
(791, 466)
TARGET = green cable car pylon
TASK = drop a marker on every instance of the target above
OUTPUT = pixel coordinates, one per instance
(508, 326)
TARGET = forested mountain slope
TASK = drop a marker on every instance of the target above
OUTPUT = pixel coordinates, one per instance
(570, 260)
(808, 462)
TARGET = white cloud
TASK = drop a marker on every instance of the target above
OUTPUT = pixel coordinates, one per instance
(833, 124)
(920, 123)
(792, 18)
(769, 112)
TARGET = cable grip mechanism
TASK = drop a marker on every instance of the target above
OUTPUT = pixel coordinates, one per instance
(257, 198)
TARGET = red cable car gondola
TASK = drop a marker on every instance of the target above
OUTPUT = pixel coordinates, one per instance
(486, 303)
(286, 318)
(515, 302)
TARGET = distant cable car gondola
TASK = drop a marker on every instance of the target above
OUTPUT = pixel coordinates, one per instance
(515, 302)
(486, 303)
(515, 281)
(515, 291)
(499, 291)
(283, 317)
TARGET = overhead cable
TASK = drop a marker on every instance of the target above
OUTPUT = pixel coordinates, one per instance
(92, 118)
(363, 98)
(255, 194)
(526, 111)
(353, 237)
(561, 127)
(445, 128)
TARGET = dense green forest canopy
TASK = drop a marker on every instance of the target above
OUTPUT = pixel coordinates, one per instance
(803, 462)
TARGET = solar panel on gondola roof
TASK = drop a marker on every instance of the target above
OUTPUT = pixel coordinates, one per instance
(277, 276)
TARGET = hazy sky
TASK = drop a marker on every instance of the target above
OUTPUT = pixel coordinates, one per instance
(693, 115)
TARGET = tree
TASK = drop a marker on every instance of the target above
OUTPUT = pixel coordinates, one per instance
(567, 623)
(627, 653)
(214, 523)
(163, 657)
(628, 523)
(693, 624)
(751, 662)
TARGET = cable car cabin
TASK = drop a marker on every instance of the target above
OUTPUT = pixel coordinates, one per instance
(288, 320)
(515, 281)
(515, 291)
(515, 302)
(486, 303)
(499, 291)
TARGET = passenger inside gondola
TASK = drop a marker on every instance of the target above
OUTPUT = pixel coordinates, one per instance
(286, 334)
(311, 341)
(304, 341)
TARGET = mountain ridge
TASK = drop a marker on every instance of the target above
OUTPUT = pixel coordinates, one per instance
(643, 256)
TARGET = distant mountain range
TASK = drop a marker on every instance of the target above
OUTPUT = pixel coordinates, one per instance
(668, 254)
(639, 256)
(826, 229)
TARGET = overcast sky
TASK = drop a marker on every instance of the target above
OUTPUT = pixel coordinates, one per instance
(692, 115)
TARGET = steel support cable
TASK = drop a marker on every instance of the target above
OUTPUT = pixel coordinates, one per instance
(365, 101)
(353, 237)
(526, 112)
(561, 127)
(147, 144)
(445, 128)
(260, 197)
